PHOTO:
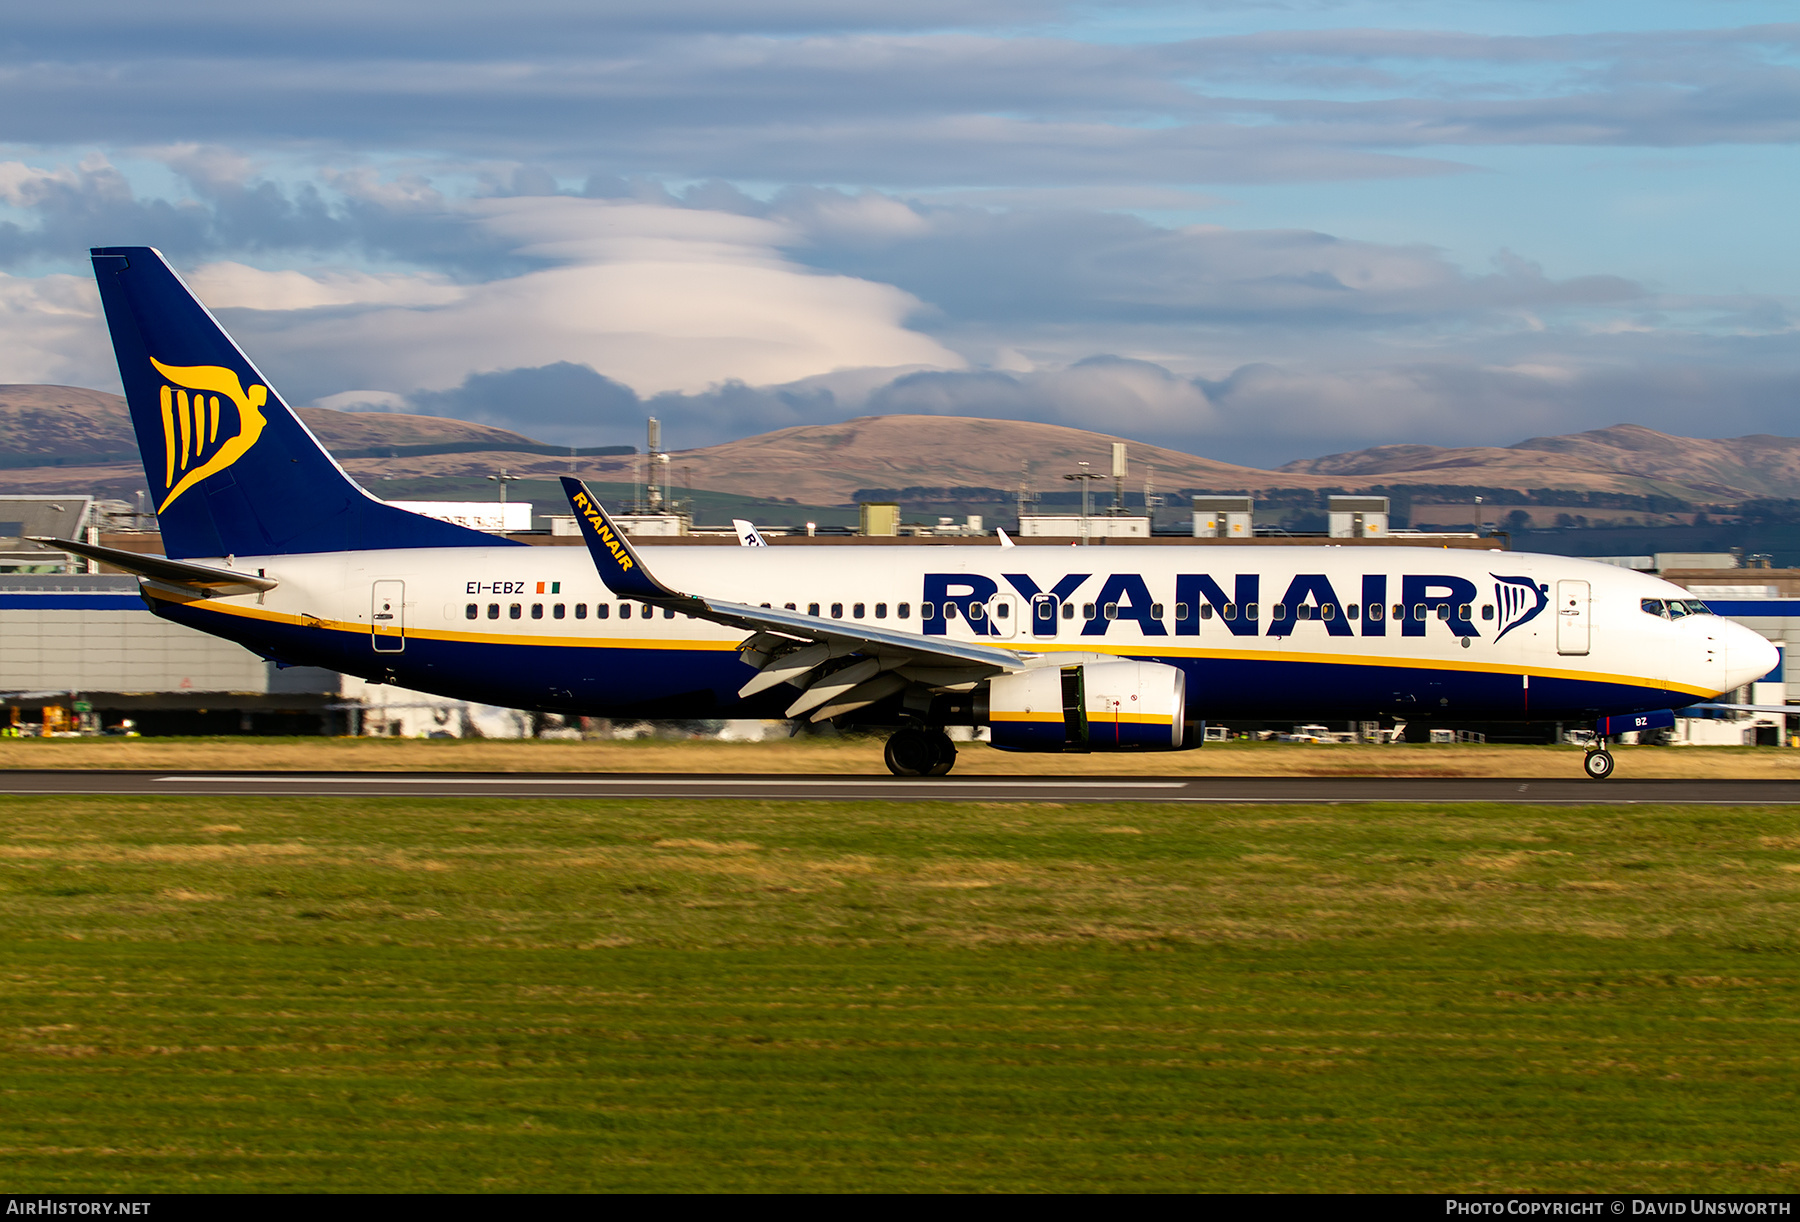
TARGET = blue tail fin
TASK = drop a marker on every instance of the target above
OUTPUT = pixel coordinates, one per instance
(235, 472)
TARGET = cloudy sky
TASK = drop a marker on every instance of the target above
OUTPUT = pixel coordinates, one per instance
(1254, 230)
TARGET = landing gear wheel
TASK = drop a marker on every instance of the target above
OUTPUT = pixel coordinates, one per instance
(914, 752)
(946, 753)
(910, 752)
(1598, 764)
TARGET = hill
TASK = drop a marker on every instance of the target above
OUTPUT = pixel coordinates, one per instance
(1730, 469)
(60, 438)
(68, 422)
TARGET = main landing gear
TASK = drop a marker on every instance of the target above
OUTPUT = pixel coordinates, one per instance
(1599, 762)
(919, 752)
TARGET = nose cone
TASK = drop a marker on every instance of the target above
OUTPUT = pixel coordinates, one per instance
(1748, 657)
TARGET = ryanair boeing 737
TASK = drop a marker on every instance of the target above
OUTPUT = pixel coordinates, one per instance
(272, 545)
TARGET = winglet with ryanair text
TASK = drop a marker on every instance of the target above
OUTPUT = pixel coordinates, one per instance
(620, 568)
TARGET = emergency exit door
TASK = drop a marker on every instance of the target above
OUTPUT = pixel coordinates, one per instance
(1572, 619)
(387, 617)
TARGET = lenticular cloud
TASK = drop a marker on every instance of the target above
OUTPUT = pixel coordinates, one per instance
(660, 298)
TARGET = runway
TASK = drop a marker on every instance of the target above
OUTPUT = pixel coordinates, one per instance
(775, 788)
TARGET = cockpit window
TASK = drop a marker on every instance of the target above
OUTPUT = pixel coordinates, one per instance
(1652, 606)
(1695, 607)
(1677, 608)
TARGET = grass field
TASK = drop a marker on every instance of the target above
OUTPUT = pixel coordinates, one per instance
(317, 994)
(863, 755)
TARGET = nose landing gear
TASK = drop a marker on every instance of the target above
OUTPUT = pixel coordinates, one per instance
(917, 752)
(1599, 763)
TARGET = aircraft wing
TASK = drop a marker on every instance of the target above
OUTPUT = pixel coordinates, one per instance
(789, 647)
(1789, 709)
(201, 579)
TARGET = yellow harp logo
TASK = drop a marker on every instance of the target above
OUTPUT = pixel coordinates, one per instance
(190, 423)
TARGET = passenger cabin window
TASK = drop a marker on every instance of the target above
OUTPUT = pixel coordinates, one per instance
(473, 611)
(1068, 610)
(668, 612)
(926, 610)
(602, 610)
(1399, 610)
(949, 610)
(1487, 610)
(1465, 612)
(537, 610)
(1112, 610)
(1046, 609)
(1156, 610)
(1419, 611)
(558, 611)
(515, 611)
(812, 608)
(1278, 611)
(1003, 610)
(856, 611)
(493, 610)
(787, 606)
(880, 610)
(1443, 610)
(624, 610)
(1087, 610)
(1250, 610)
(581, 610)
(976, 611)
(837, 610)
(1376, 611)
(904, 610)
(1230, 611)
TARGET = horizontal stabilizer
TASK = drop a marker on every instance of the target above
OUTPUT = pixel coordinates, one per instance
(203, 577)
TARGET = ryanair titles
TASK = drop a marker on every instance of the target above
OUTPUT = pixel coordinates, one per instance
(602, 530)
(1377, 606)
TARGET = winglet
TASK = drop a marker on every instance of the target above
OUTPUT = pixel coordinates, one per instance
(620, 568)
(748, 535)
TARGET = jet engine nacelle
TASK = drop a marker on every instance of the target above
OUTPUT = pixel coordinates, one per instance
(1096, 706)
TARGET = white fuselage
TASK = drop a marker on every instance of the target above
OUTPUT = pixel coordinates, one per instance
(1261, 631)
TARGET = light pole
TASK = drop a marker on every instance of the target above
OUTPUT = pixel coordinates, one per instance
(503, 479)
(1085, 478)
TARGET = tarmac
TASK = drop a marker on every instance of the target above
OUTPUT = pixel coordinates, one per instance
(830, 788)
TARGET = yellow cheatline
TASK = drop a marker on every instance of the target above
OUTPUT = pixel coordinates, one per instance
(253, 612)
(998, 715)
(264, 615)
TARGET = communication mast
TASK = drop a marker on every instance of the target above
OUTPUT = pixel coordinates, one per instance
(654, 461)
(1027, 495)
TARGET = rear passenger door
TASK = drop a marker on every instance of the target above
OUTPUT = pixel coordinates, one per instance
(387, 617)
